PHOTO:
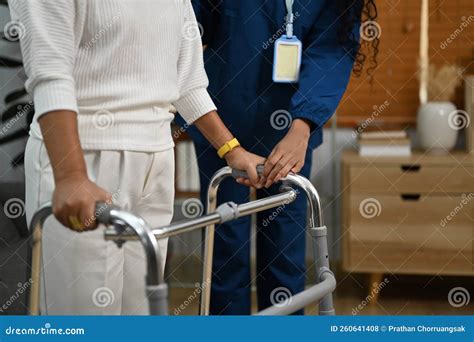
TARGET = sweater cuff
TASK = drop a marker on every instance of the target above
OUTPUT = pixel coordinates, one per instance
(54, 95)
(194, 105)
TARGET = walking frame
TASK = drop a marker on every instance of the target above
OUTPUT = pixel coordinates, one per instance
(123, 226)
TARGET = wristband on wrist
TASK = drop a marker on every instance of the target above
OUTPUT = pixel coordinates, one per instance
(227, 147)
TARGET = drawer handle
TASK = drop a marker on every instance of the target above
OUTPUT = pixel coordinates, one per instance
(410, 197)
(410, 168)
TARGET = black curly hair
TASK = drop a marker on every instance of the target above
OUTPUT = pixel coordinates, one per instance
(367, 46)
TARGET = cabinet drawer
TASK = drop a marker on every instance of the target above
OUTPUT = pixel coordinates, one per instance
(411, 178)
(410, 234)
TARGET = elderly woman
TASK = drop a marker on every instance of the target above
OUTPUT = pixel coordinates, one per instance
(104, 75)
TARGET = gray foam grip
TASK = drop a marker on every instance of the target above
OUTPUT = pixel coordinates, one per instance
(243, 174)
(102, 211)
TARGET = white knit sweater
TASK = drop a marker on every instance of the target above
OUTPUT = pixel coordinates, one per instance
(120, 64)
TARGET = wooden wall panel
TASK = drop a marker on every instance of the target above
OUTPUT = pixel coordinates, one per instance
(395, 79)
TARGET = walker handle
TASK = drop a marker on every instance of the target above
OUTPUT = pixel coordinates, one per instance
(243, 174)
(102, 214)
(102, 211)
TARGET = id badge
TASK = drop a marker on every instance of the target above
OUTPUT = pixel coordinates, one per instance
(287, 60)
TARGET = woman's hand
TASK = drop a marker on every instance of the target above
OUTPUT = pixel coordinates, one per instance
(75, 195)
(212, 127)
(74, 201)
(240, 159)
(289, 154)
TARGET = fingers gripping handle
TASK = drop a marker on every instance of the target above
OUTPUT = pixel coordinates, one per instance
(102, 214)
(242, 174)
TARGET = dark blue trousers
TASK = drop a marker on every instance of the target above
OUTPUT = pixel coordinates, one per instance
(280, 244)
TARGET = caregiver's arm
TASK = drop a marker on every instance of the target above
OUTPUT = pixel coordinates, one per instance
(48, 63)
(196, 106)
(207, 14)
(326, 68)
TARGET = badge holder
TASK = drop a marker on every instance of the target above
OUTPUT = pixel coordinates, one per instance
(288, 51)
(287, 60)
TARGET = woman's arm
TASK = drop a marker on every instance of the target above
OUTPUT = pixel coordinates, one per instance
(212, 127)
(74, 194)
(196, 106)
(50, 37)
(60, 134)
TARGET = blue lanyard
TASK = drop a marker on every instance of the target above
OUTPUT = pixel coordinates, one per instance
(290, 18)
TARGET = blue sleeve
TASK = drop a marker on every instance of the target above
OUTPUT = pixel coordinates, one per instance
(197, 9)
(326, 68)
(206, 14)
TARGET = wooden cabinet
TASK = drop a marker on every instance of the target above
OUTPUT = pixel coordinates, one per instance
(411, 215)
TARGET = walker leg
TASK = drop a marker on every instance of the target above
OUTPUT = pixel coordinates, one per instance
(374, 281)
(207, 270)
(321, 258)
(158, 299)
(205, 300)
(35, 263)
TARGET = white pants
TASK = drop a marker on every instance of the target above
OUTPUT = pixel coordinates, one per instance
(82, 273)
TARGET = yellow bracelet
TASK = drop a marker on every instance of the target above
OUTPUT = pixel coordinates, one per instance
(227, 147)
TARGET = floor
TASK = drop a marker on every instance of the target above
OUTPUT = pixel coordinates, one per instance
(402, 295)
(13, 277)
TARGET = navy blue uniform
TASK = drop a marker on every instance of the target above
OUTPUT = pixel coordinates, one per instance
(240, 36)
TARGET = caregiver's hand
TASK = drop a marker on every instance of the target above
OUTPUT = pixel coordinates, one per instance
(289, 154)
(240, 159)
(74, 200)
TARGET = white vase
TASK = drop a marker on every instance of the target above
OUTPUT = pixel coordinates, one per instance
(436, 131)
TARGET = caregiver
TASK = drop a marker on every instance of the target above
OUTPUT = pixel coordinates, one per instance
(104, 75)
(276, 82)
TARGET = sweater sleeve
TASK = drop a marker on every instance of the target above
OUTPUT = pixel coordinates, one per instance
(194, 100)
(49, 38)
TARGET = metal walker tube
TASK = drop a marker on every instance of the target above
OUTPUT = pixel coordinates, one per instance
(318, 232)
(156, 288)
(216, 180)
(127, 226)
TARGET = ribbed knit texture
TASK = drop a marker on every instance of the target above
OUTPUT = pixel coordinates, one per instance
(120, 64)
